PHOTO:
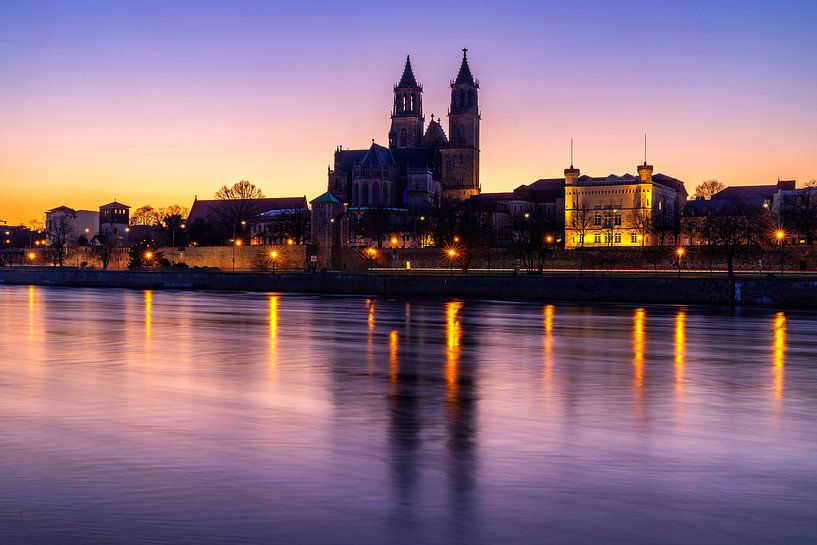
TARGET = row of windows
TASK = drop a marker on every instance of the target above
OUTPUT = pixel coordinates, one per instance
(616, 238)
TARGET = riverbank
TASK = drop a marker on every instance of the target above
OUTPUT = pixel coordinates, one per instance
(773, 291)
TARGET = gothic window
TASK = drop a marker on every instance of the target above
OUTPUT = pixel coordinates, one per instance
(356, 196)
(403, 138)
(375, 194)
(462, 98)
(365, 196)
(470, 97)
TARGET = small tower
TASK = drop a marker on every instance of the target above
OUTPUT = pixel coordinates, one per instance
(461, 159)
(407, 114)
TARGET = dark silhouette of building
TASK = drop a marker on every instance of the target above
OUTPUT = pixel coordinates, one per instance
(421, 166)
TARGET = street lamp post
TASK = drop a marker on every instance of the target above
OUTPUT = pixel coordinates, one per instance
(273, 255)
(680, 253)
(780, 235)
(236, 242)
(452, 255)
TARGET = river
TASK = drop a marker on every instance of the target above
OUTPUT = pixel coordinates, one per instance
(139, 417)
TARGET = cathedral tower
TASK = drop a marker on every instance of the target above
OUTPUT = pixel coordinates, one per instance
(407, 115)
(461, 158)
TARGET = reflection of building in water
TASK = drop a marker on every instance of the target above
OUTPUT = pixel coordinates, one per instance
(680, 349)
(779, 357)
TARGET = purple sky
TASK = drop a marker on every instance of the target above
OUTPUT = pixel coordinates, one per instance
(155, 102)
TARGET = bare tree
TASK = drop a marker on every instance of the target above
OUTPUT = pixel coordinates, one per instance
(104, 246)
(293, 224)
(241, 206)
(581, 221)
(707, 188)
(735, 228)
(61, 234)
(641, 221)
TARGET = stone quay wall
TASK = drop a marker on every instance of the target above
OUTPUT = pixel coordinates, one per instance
(771, 291)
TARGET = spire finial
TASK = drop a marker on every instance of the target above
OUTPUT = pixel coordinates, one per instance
(571, 154)
(464, 52)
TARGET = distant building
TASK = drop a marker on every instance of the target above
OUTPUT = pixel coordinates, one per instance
(421, 166)
(622, 210)
(259, 221)
(114, 218)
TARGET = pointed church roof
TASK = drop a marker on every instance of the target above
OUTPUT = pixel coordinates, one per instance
(435, 133)
(464, 76)
(327, 197)
(377, 156)
(408, 79)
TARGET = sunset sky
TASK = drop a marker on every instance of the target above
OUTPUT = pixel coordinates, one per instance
(157, 101)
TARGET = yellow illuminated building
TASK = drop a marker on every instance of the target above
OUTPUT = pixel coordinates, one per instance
(619, 211)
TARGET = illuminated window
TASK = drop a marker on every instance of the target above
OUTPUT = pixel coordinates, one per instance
(617, 238)
(597, 219)
(634, 238)
(618, 219)
(597, 238)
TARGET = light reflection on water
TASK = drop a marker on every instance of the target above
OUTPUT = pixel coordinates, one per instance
(165, 417)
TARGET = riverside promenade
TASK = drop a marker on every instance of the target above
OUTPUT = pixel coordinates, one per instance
(625, 287)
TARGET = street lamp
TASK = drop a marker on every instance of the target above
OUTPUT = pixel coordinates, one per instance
(780, 235)
(452, 255)
(148, 256)
(31, 257)
(680, 253)
(273, 255)
(371, 253)
(236, 242)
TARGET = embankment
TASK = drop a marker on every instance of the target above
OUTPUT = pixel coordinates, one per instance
(750, 291)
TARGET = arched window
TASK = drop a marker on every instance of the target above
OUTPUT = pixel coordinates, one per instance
(411, 103)
(386, 201)
(403, 138)
(462, 98)
(375, 194)
(365, 196)
(470, 97)
(356, 195)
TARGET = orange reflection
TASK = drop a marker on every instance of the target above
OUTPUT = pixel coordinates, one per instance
(779, 356)
(680, 349)
(273, 330)
(453, 333)
(548, 312)
(370, 338)
(148, 311)
(31, 305)
(638, 348)
(394, 364)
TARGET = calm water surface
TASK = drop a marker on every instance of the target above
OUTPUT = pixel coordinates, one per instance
(135, 417)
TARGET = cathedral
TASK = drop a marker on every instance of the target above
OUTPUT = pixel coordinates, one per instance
(421, 166)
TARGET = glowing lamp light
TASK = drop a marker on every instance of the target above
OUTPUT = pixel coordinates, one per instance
(393, 240)
(452, 253)
(527, 215)
(238, 242)
(456, 239)
(371, 252)
(680, 252)
(148, 255)
(290, 242)
(32, 256)
(779, 234)
(273, 254)
(548, 239)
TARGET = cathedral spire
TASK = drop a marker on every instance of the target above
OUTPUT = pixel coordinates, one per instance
(408, 79)
(465, 77)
